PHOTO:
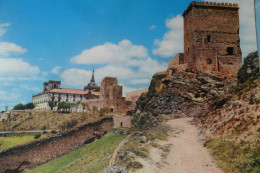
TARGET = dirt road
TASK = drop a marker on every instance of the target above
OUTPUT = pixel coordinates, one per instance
(187, 154)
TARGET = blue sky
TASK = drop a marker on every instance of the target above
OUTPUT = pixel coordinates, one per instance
(65, 39)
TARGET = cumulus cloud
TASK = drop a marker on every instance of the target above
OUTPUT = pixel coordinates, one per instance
(2, 28)
(172, 42)
(247, 34)
(12, 69)
(128, 62)
(76, 77)
(56, 70)
(111, 53)
(8, 48)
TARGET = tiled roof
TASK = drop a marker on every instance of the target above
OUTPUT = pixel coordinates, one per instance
(72, 91)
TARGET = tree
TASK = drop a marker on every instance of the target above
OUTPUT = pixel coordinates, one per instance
(52, 104)
(61, 106)
(19, 106)
(29, 106)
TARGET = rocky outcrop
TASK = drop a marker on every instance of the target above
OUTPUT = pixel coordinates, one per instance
(183, 94)
(234, 114)
(250, 67)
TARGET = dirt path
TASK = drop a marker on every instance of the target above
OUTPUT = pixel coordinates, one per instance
(187, 154)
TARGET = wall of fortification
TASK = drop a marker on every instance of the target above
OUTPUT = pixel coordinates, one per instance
(37, 152)
(117, 105)
(122, 121)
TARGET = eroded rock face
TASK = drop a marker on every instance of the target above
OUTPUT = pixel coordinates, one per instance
(183, 94)
(250, 67)
(115, 169)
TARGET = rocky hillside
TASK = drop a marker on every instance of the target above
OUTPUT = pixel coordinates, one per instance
(237, 112)
(227, 112)
(183, 94)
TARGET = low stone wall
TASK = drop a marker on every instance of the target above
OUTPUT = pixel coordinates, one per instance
(30, 155)
(122, 121)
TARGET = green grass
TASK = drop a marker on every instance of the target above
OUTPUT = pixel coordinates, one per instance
(91, 158)
(17, 139)
(235, 157)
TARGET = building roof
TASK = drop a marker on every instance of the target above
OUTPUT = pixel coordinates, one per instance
(72, 91)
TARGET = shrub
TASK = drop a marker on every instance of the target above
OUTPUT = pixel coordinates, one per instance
(37, 136)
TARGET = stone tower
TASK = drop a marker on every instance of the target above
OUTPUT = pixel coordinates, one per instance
(211, 39)
(52, 84)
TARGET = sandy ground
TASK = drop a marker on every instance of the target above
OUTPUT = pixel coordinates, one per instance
(186, 155)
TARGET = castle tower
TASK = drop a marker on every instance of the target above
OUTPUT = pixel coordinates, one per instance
(211, 38)
(52, 84)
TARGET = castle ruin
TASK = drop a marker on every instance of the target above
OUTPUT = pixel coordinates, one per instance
(211, 40)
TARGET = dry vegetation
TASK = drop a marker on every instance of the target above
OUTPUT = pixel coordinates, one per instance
(44, 119)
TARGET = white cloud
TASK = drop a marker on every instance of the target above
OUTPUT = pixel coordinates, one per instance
(76, 77)
(56, 70)
(172, 42)
(8, 48)
(9, 96)
(16, 69)
(247, 34)
(110, 53)
(152, 27)
(2, 28)
(29, 88)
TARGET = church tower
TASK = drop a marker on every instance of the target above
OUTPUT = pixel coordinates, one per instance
(92, 84)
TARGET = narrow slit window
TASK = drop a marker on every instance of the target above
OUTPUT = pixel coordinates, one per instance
(208, 38)
(230, 50)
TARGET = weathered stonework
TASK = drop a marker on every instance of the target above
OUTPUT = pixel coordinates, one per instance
(250, 68)
(211, 40)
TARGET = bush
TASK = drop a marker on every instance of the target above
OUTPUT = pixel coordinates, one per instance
(68, 124)
(37, 136)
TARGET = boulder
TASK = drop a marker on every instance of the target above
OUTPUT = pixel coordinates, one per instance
(115, 169)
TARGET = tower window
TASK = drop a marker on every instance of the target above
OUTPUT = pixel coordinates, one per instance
(230, 50)
(209, 61)
(188, 51)
(208, 38)
(194, 59)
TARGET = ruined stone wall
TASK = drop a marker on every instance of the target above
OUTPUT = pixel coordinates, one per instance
(27, 156)
(117, 105)
(122, 121)
(211, 29)
(110, 88)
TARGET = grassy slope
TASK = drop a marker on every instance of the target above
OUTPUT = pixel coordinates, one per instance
(92, 158)
(13, 140)
(40, 119)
